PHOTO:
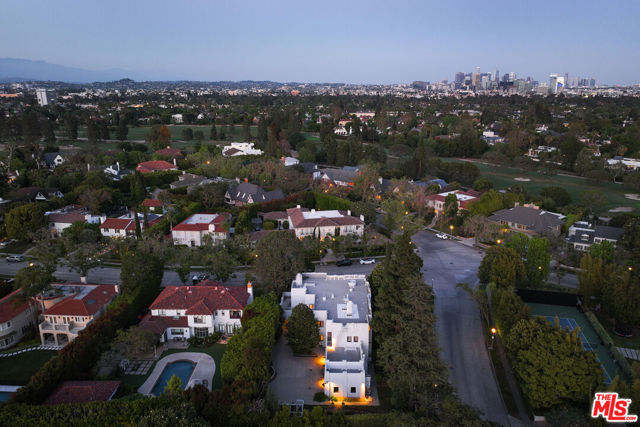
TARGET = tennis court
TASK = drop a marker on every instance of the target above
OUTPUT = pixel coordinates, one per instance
(570, 318)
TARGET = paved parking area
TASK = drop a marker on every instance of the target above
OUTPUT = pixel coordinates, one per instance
(296, 377)
(458, 322)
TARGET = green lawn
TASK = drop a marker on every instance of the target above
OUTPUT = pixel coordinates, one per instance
(17, 370)
(504, 177)
(216, 351)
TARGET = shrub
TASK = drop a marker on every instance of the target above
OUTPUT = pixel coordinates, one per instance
(319, 396)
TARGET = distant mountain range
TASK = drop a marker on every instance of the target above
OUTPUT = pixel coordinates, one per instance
(16, 70)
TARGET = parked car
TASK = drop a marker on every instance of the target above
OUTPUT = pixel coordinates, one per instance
(15, 258)
(367, 261)
(6, 243)
(197, 278)
(344, 262)
(442, 236)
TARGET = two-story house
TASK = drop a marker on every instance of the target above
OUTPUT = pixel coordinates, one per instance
(321, 224)
(69, 307)
(464, 198)
(125, 225)
(341, 305)
(16, 317)
(195, 229)
(581, 235)
(181, 312)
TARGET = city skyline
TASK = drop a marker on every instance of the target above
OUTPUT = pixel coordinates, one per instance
(333, 42)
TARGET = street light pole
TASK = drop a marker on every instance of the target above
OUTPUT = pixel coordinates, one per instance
(493, 337)
(451, 231)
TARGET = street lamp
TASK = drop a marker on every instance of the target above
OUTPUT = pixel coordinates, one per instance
(493, 337)
(498, 241)
(451, 231)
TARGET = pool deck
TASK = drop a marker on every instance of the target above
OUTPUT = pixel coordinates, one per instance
(204, 370)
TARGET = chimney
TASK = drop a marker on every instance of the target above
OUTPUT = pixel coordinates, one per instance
(349, 212)
(88, 168)
(174, 162)
(250, 292)
(362, 218)
(380, 179)
(516, 204)
(116, 288)
(349, 308)
(298, 207)
(118, 164)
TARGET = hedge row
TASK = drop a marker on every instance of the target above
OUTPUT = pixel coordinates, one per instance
(248, 353)
(116, 412)
(606, 339)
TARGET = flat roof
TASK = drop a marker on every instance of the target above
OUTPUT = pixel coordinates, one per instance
(200, 218)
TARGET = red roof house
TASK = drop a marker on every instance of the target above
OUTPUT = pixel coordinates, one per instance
(15, 315)
(180, 312)
(191, 231)
(170, 152)
(156, 166)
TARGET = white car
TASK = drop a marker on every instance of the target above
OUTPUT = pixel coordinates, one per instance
(367, 261)
(442, 236)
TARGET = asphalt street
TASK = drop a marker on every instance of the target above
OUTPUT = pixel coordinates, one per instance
(459, 325)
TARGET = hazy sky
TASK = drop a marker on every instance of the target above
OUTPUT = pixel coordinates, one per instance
(371, 41)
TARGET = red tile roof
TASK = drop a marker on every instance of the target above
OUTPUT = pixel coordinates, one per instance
(88, 305)
(119, 224)
(155, 165)
(11, 306)
(170, 152)
(66, 218)
(152, 203)
(83, 391)
(204, 298)
(159, 324)
(278, 215)
(202, 226)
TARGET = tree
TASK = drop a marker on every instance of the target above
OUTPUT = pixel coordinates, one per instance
(538, 259)
(198, 135)
(159, 137)
(174, 386)
(213, 134)
(220, 263)
(603, 250)
(482, 184)
(502, 266)
(303, 334)
(279, 256)
(518, 242)
(551, 365)
(180, 262)
(122, 131)
(366, 182)
(96, 199)
(71, 126)
(83, 259)
(594, 274)
(33, 281)
(138, 188)
(142, 266)
(508, 309)
(593, 200)
(243, 222)
(621, 298)
(92, 131)
(570, 147)
(22, 221)
(559, 195)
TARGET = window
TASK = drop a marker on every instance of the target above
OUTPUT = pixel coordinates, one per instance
(320, 323)
(198, 319)
(353, 389)
(177, 332)
(321, 338)
(201, 332)
(348, 339)
(235, 314)
(355, 339)
(311, 306)
(336, 389)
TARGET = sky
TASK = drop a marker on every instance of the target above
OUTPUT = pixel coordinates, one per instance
(393, 41)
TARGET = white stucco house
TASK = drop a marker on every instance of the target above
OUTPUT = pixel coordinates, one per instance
(241, 149)
(321, 224)
(17, 317)
(181, 312)
(341, 305)
(192, 231)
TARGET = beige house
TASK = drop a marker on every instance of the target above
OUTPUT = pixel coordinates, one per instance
(68, 308)
(16, 318)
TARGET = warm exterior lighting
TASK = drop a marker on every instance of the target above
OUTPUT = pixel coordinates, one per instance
(494, 330)
(630, 268)
(30, 264)
(498, 241)
(208, 162)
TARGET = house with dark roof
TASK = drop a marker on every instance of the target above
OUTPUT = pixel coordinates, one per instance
(67, 308)
(581, 235)
(62, 218)
(53, 160)
(194, 230)
(156, 166)
(83, 392)
(246, 194)
(529, 219)
(17, 316)
(336, 177)
(312, 223)
(181, 312)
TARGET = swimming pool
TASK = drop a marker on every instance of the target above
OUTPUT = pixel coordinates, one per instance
(182, 369)
(5, 395)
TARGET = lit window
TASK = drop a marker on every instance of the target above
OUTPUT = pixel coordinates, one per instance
(321, 337)
(311, 306)
(320, 323)
(355, 339)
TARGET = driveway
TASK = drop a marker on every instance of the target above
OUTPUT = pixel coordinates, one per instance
(458, 323)
(296, 377)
